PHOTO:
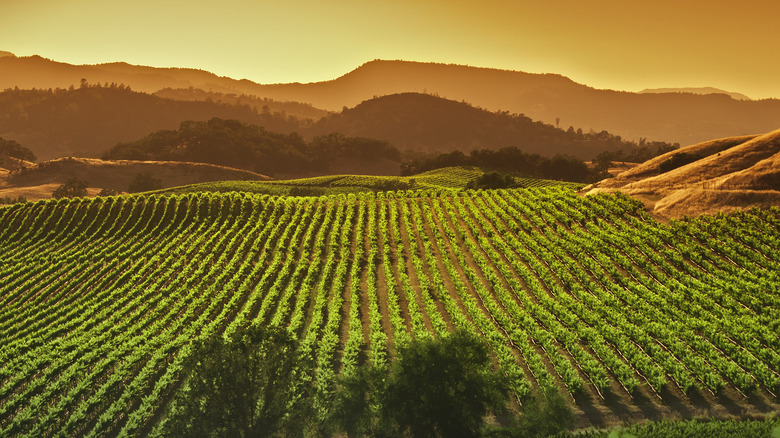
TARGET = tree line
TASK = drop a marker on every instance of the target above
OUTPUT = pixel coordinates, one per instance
(256, 382)
(511, 160)
(245, 146)
(13, 149)
(425, 123)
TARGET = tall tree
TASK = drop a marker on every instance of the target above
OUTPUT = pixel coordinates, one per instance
(245, 386)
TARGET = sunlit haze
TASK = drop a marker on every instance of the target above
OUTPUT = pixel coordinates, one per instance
(624, 45)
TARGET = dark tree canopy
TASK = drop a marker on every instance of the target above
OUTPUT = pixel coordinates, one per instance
(244, 146)
(492, 180)
(144, 182)
(678, 160)
(72, 188)
(435, 388)
(15, 150)
(244, 386)
(86, 120)
(511, 160)
(444, 387)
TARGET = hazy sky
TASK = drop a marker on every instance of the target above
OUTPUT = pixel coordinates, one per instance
(621, 44)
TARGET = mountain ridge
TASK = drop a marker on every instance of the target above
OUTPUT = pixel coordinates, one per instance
(696, 90)
(684, 118)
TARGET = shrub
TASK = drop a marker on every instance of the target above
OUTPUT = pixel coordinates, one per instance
(72, 188)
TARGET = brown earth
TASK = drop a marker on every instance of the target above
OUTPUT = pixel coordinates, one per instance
(38, 181)
(723, 175)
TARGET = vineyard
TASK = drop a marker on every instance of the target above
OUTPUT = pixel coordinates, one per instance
(448, 178)
(100, 299)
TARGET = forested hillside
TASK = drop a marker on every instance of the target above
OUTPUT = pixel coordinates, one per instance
(421, 122)
(86, 121)
(244, 146)
(683, 118)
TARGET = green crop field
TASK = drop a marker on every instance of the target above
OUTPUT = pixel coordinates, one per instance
(100, 299)
(444, 179)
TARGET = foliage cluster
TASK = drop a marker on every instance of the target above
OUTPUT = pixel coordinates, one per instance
(15, 150)
(240, 145)
(72, 188)
(83, 121)
(256, 382)
(246, 385)
(678, 160)
(510, 160)
(144, 182)
(5, 200)
(645, 151)
(422, 122)
(492, 180)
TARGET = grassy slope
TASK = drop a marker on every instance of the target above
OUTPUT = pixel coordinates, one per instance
(450, 178)
(100, 298)
(720, 176)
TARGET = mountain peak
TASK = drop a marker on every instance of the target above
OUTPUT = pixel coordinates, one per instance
(6, 54)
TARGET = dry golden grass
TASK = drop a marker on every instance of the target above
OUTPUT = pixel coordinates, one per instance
(729, 174)
(39, 181)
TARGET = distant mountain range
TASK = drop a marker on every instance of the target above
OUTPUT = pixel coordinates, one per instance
(85, 122)
(697, 90)
(89, 120)
(425, 123)
(682, 117)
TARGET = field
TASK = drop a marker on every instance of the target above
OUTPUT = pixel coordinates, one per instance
(444, 179)
(633, 319)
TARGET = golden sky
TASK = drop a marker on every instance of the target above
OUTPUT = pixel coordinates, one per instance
(617, 44)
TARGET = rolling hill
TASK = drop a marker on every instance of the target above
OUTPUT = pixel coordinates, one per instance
(38, 181)
(102, 298)
(685, 118)
(697, 90)
(426, 123)
(718, 175)
(89, 120)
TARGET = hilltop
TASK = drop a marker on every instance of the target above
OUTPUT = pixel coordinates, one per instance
(38, 181)
(697, 90)
(88, 120)
(684, 118)
(426, 123)
(719, 175)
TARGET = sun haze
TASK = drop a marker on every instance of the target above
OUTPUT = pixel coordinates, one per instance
(605, 44)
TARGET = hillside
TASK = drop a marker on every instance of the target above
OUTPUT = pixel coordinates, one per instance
(89, 120)
(246, 146)
(441, 180)
(295, 110)
(672, 117)
(683, 118)
(421, 122)
(718, 175)
(697, 90)
(101, 298)
(40, 180)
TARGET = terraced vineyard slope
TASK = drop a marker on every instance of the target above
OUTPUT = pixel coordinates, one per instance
(101, 298)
